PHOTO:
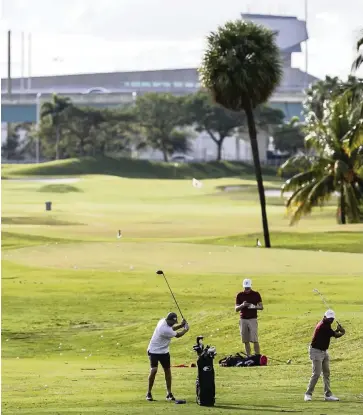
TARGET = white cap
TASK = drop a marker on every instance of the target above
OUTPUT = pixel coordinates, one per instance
(329, 314)
(247, 283)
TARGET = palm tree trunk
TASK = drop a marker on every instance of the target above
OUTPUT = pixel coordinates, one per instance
(57, 136)
(256, 160)
(343, 220)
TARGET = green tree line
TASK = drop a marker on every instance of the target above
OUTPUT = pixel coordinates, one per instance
(158, 121)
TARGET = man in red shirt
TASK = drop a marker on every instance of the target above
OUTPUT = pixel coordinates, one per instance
(318, 353)
(247, 304)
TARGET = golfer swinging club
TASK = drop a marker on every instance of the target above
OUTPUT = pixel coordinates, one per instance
(247, 303)
(318, 353)
(158, 350)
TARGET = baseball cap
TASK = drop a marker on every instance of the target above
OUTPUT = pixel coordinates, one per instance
(172, 317)
(329, 314)
(247, 283)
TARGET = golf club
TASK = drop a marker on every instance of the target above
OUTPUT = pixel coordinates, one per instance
(315, 290)
(280, 361)
(160, 272)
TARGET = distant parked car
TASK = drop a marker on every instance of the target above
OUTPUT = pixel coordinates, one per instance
(98, 90)
(182, 158)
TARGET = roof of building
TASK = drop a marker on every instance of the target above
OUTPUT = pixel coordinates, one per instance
(157, 80)
(291, 32)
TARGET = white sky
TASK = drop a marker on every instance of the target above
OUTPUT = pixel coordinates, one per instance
(80, 36)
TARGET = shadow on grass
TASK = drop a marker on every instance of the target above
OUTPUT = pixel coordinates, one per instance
(253, 408)
(324, 241)
(11, 240)
(36, 220)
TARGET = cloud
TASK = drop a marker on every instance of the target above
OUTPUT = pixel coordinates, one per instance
(330, 18)
(110, 35)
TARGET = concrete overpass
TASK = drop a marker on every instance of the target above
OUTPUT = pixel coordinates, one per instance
(25, 107)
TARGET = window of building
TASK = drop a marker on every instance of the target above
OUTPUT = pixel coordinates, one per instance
(178, 84)
(146, 84)
(135, 84)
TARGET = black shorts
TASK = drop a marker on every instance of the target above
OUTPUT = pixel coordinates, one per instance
(164, 360)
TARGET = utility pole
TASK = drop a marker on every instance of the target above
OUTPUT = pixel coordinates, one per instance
(29, 86)
(9, 81)
(306, 45)
(9, 62)
(22, 62)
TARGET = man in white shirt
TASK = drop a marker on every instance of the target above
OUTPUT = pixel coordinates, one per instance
(158, 350)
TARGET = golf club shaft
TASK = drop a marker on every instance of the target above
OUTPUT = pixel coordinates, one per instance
(173, 296)
(324, 301)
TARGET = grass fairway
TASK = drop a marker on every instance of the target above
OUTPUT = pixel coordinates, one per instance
(79, 306)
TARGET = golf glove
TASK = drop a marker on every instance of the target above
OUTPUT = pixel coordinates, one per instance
(186, 327)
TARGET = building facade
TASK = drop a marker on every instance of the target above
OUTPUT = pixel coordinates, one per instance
(117, 87)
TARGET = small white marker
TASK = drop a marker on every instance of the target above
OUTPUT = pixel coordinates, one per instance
(119, 234)
(258, 243)
(197, 184)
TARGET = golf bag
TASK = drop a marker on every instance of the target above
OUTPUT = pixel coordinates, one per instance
(243, 361)
(204, 385)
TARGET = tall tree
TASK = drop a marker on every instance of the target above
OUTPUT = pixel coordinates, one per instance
(161, 118)
(212, 118)
(241, 68)
(336, 165)
(290, 136)
(56, 110)
(83, 124)
(358, 61)
(319, 94)
(10, 149)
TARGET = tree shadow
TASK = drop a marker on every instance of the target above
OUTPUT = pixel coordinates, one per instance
(36, 220)
(253, 408)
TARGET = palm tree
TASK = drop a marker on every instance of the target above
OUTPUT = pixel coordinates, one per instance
(335, 166)
(241, 68)
(56, 109)
(358, 61)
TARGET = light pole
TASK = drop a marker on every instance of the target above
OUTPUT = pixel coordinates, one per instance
(37, 103)
(306, 44)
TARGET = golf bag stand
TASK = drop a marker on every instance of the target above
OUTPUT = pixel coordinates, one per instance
(205, 385)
